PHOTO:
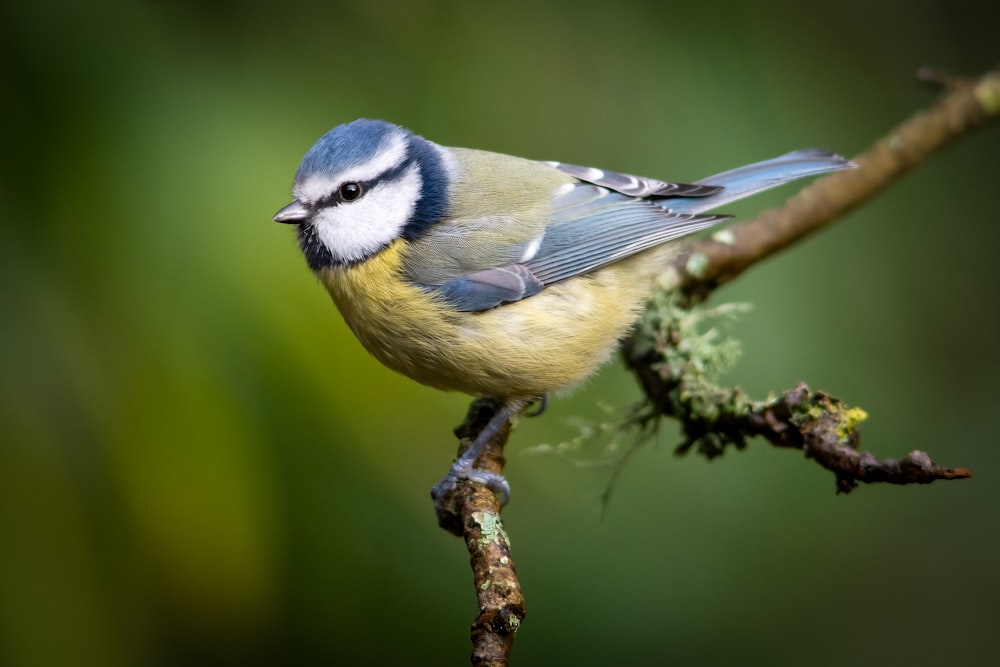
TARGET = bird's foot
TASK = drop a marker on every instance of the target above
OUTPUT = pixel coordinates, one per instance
(447, 503)
(494, 482)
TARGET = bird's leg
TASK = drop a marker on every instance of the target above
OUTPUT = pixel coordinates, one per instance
(462, 467)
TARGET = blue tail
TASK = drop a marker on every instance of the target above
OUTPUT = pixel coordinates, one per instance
(759, 176)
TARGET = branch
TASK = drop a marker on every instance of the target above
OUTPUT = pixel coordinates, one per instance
(675, 356)
(966, 106)
(471, 511)
(826, 429)
(672, 358)
(820, 425)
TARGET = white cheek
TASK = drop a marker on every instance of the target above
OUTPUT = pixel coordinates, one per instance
(353, 231)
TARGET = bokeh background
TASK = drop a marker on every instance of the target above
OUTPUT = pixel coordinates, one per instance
(199, 465)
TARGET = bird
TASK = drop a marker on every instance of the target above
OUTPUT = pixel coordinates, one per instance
(494, 275)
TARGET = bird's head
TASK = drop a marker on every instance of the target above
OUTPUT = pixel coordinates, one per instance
(362, 186)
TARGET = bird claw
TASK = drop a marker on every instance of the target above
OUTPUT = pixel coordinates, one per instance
(494, 482)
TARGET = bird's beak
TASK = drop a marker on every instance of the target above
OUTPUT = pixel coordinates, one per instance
(294, 214)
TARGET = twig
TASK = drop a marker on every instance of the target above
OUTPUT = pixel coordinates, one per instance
(826, 430)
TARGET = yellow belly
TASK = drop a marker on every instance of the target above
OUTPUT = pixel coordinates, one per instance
(545, 343)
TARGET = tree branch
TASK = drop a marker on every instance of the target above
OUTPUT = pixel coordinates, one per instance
(472, 512)
(966, 106)
(820, 425)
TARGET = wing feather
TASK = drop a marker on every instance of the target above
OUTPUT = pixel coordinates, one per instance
(600, 251)
(482, 290)
(635, 186)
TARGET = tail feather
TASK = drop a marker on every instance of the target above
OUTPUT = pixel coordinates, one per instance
(759, 176)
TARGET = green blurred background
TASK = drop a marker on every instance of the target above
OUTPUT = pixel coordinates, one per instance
(199, 464)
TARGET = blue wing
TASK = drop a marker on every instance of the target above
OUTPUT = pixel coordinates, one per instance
(592, 227)
(605, 217)
(589, 228)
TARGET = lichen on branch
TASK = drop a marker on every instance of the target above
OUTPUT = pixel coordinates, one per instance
(676, 359)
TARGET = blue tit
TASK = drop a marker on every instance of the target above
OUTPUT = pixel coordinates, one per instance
(495, 275)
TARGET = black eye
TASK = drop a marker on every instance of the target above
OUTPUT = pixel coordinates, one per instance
(350, 191)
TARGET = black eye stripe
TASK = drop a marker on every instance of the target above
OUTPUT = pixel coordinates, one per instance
(336, 197)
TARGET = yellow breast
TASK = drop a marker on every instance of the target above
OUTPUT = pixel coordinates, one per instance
(545, 343)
